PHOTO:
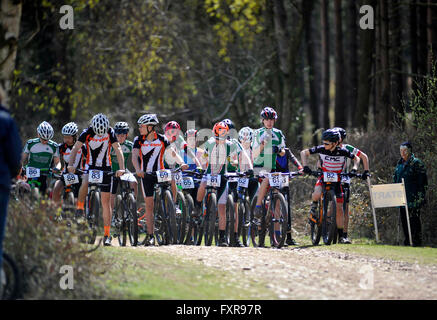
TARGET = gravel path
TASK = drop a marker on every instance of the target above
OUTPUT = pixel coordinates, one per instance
(309, 273)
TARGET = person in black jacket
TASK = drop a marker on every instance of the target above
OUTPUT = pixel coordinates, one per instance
(10, 159)
(413, 171)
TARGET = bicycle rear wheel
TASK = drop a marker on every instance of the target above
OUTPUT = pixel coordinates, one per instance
(132, 220)
(329, 223)
(230, 221)
(244, 221)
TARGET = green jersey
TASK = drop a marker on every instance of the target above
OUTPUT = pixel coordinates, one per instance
(41, 155)
(238, 147)
(219, 155)
(126, 148)
(271, 137)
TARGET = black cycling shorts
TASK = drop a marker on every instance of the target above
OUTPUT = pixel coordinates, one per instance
(149, 182)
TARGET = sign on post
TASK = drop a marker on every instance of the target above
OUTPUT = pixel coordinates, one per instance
(388, 195)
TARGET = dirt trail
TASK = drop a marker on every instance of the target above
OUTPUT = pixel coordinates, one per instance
(309, 273)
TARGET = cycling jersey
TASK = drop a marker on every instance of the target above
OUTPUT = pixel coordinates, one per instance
(354, 151)
(332, 161)
(219, 155)
(65, 151)
(151, 153)
(267, 159)
(126, 149)
(242, 162)
(239, 148)
(179, 144)
(282, 163)
(185, 154)
(41, 155)
(98, 148)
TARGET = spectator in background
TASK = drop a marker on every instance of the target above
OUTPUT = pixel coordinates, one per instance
(413, 171)
(10, 159)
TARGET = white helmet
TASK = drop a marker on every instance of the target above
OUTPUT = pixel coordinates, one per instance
(45, 130)
(121, 126)
(70, 129)
(100, 124)
(148, 119)
(245, 133)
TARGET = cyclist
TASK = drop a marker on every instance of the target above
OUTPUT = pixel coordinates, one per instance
(245, 136)
(98, 139)
(282, 165)
(191, 149)
(148, 153)
(69, 131)
(40, 152)
(346, 181)
(219, 151)
(121, 130)
(332, 159)
(268, 143)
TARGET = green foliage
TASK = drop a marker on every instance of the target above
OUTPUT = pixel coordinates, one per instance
(41, 247)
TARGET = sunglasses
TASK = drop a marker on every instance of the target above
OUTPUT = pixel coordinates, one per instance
(327, 143)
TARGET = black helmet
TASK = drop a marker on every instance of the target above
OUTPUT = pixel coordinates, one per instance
(229, 123)
(331, 135)
(341, 131)
(268, 113)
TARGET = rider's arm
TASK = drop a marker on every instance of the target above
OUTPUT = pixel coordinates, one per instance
(57, 163)
(24, 159)
(365, 159)
(246, 159)
(293, 159)
(304, 154)
(356, 163)
(73, 154)
(119, 154)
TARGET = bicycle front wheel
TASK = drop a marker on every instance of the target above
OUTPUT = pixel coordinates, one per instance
(257, 232)
(181, 217)
(93, 216)
(278, 215)
(10, 286)
(132, 220)
(244, 221)
(119, 221)
(170, 217)
(230, 221)
(211, 219)
(329, 223)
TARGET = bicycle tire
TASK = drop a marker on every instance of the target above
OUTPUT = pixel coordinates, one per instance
(329, 223)
(181, 220)
(171, 218)
(120, 221)
(211, 219)
(244, 221)
(316, 228)
(230, 220)
(132, 220)
(257, 233)
(93, 219)
(189, 234)
(280, 222)
(159, 224)
(11, 279)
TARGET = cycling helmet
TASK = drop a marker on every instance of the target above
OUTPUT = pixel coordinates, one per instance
(70, 129)
(341, 131)
(245, 134)
(190, 132)
(229, 123)
(172, 125)
(220, 130)
(331, 135)
(121, 127)
(45, 130)
(269, 113)
(100, 124)
(148, 119)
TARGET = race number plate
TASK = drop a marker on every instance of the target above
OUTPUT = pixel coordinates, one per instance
(284, 181)
(243, 183)
(330, 177)
(177, 176)
(275, 180)
(33, 172)
(163, 175)
(187, 183)
(70, 178)
(95, 176)
(213, 180)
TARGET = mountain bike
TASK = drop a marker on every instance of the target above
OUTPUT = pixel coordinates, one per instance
(243, 208)
(71, 182)
(274, 219)
(125, 217)
(324, 224)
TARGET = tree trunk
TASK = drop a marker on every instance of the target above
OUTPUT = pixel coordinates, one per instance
(308, 7)
(367, 46)
(324, 107)
(340, 102)
(395, 57)
(422, 38)
(352, 62)
(413, 40)
(10, 17)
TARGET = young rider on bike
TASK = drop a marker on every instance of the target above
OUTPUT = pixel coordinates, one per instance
(98, 140)
(332, 159)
